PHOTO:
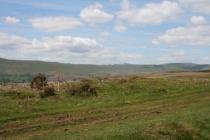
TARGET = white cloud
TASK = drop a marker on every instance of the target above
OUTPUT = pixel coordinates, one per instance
(55, 23)
(195, 34)
(173, 57)
(200, 6)
(126, 4)
(11, 20)
(120, 28)
(206, 58)
(12, 41)
(199, 20)
(57, 43)
(93, 14)
(151, 13)
(104, 35)
(110, 56)
(63, 49)
(70, 44)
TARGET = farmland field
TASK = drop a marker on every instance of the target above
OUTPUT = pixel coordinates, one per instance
(173, 106)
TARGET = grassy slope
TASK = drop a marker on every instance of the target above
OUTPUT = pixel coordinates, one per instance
(76, 70)
(127, 108)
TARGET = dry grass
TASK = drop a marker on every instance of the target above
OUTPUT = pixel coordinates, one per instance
(155, 106)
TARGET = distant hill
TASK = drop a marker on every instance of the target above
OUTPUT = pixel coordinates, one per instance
(69, 71)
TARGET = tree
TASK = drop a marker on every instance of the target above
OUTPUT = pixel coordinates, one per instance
(39, 81)
(48, 91)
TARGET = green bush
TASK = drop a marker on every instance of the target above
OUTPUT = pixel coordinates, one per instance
(39, 82)
(48, 91)
(160, 90)
(82, 88)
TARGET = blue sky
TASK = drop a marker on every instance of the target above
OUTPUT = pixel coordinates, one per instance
(106, 31)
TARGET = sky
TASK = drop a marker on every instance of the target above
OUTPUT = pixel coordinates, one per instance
(106, 31)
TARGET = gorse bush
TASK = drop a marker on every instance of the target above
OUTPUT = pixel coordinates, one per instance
(48, 91)
(82, 88)
(159, 90)
(39, 82)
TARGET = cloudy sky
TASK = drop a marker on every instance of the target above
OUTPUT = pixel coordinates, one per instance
(106, 31)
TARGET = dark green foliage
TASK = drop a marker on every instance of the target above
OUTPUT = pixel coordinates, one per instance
(48, 91)
(160, 91)
(39, 82)
(82, 88)
(13, 78)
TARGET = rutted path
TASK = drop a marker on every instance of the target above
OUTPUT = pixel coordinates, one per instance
(80, 120)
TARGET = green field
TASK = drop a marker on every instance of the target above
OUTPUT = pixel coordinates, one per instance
(173, 106)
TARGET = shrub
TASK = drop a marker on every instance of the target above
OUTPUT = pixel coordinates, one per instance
(123, 80)
(82, 88)
(48, 91)
(39, 82)
(160, 90)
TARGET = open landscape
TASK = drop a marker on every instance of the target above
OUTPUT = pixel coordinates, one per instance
(151, 106)
(104, 69)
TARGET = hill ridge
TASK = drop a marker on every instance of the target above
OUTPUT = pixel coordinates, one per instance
(22, 67)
